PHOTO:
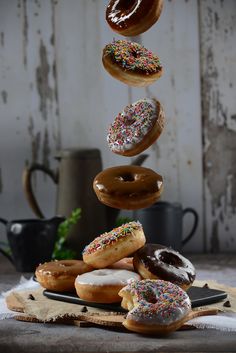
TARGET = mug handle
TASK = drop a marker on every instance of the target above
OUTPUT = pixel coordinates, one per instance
(195, 223)
(4, 221)
(27, 185)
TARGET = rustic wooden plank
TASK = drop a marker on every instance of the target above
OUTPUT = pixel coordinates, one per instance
(10, 105)
(218, 53)
(30, 108)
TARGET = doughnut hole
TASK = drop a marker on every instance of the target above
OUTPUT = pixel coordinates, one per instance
(170, 259)
(152, 298)
(128, 177)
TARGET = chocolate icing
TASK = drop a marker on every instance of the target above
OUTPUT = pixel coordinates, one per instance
(121, 14)
(165, 263)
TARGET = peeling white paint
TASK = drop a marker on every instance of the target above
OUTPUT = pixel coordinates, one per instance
(218, 59)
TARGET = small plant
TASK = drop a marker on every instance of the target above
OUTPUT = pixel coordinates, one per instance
(61, 251)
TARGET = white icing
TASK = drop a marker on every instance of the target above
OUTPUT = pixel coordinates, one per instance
(180, 271)
(161, 317)
(107, 277)
(157, 302)
(130, 134)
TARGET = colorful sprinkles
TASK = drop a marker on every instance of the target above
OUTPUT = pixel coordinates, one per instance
(130, 126)
(114, 235)
(133, 56)
(157, 302)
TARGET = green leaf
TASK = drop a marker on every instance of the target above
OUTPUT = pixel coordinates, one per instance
(61, 252)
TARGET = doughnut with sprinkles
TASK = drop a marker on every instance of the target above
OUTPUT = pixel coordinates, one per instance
(131, 63)
(155, 306)
(136, 128)
(113, 246)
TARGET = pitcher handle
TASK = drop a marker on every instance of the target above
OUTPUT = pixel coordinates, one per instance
(195, 223)
(3, 252)
(27, 185)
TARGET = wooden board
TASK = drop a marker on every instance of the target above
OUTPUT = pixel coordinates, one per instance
(109, 319)
(114, 320)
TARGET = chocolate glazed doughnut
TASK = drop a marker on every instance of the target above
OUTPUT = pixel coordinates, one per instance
(154, 261)
(133, 17)
(128, 187)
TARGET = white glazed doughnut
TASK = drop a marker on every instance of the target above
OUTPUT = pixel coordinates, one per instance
(102, 286)
(155, 306)
(136, 128)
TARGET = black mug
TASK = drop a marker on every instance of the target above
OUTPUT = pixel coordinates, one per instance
(31, 241)
(163, 224)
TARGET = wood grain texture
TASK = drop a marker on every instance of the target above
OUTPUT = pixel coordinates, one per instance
(218, 53)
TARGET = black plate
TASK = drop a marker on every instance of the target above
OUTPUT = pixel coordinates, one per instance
(199, 296)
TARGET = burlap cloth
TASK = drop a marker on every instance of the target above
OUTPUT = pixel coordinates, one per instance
(34, 304)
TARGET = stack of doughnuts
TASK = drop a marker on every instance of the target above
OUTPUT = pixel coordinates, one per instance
(118, 266)
(105, 268)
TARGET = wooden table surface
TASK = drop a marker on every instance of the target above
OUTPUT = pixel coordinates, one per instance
(22, 337)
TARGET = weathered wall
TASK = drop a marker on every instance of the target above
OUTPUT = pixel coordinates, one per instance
(55, 94)
(218, 60)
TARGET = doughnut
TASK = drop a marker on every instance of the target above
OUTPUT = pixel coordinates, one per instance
(128, 187)
(136, 128)
(60, 275)
(124, 264)
(154, 261)
(131, 63)
(113, 246)
(130, 18)
(155, 306)
(103, 286)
